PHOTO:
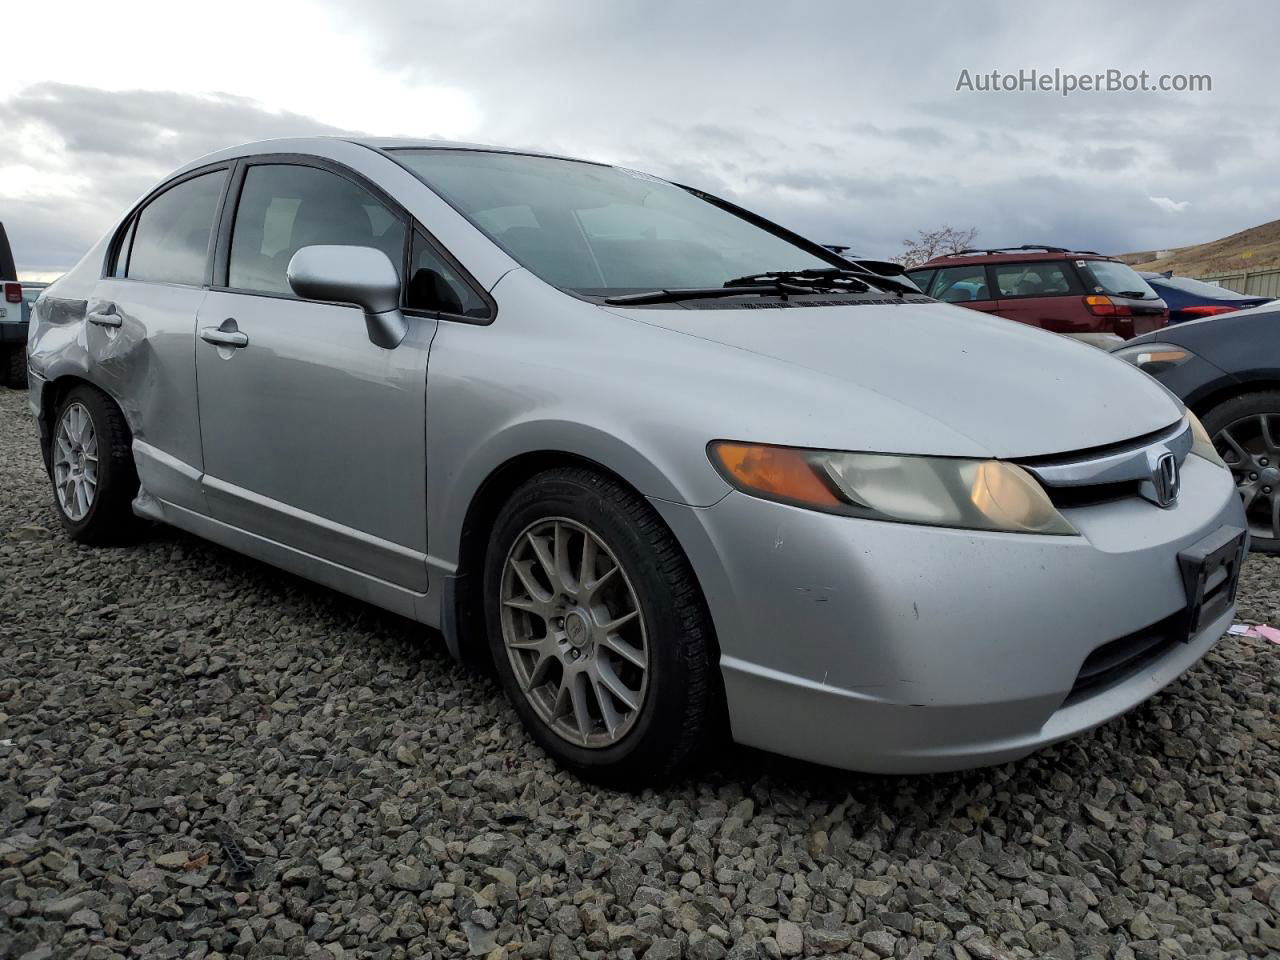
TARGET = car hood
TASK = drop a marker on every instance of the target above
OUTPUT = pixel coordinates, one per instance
(1012, 391)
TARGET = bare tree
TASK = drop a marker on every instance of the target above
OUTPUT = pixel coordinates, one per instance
(935, 243)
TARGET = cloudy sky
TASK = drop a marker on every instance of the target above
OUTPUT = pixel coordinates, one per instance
(839, 119)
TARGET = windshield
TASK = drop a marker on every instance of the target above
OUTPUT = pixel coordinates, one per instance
(1201, 289)
(602, 231)
(1112, 276)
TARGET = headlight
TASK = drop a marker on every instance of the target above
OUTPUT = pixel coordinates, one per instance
(1154, 358)
(1201, 442)
(939, 491)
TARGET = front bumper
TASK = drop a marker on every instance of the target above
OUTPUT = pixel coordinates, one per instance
(895, 648)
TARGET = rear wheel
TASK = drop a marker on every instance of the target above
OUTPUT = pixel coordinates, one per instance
(598, 630)
(1246, 432)
(91, 466)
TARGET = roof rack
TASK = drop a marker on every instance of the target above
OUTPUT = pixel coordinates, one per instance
(1026, 246)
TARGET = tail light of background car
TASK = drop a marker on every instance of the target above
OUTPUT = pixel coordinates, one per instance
(1101, 306)
(12, 292)
(1207, 311)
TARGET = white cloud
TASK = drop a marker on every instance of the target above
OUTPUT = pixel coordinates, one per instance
(1171, 206)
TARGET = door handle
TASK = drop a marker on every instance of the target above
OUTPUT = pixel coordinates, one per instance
(225, 335)
(104, 316)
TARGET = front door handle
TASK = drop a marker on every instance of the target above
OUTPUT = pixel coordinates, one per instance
(227, 334)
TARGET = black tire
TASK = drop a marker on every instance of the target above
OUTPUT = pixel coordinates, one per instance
(1232, 412)
(679, 712)
(110, 517)
(14, 370)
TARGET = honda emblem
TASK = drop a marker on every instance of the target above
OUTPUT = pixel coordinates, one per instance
(1164, 478)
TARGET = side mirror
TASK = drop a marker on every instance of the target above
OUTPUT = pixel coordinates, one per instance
(361, 276)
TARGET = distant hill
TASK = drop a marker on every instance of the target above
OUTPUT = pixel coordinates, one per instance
(1257, 248)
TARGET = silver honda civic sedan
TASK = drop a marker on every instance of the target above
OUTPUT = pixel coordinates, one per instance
(667, 467)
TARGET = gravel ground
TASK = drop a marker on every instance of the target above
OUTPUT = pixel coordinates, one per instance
(390, 806)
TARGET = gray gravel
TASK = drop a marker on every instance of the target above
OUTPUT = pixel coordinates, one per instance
(391, 807)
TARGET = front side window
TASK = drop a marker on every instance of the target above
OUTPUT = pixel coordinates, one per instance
(170, 237)
(1035, 279)
(285, 207)
(960, 284)
(598, 230)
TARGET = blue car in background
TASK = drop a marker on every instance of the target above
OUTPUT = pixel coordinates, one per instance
(1193, 299)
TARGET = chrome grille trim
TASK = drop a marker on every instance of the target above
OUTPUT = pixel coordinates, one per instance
(1116, 466)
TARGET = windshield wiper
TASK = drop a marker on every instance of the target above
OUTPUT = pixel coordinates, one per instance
(676, 294)
(1134, 294)
(835, 279)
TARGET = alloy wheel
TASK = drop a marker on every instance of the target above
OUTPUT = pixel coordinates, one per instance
(574, 632)
(1249, 447)
(75, 462)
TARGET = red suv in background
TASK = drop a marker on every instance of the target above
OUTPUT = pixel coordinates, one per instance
(1073, 292)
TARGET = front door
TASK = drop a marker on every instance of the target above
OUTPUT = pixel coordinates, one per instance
(313, 437)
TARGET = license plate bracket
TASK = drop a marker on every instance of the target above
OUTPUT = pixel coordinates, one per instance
(1210, 573)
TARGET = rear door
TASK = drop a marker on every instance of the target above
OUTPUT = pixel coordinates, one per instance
(1043, 293)
(313, 436)
(140, 329)
(965, 286)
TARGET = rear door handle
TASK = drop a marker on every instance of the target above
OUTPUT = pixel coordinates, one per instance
(104, 316)
(227, 334)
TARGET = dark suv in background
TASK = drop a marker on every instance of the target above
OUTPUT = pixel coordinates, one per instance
(13, 320)
(1078, 293)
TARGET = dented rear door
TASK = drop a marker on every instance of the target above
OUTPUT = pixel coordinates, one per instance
(139, 331)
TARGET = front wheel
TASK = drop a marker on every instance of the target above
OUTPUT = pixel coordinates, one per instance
(598, 630)
(1246, 433)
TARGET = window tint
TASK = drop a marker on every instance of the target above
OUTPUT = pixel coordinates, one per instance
(1043, 279)
(171, 238)
(284, 207)
(960, 284)
(434, 286)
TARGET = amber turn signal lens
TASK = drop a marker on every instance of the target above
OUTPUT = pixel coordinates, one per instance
(778, 472)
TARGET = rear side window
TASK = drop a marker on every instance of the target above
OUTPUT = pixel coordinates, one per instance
(1036, 279)
(171, 236)
(284, 207)
(961, 284)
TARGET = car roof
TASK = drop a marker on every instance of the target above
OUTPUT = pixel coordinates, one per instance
(304, 145)
(1008, 255)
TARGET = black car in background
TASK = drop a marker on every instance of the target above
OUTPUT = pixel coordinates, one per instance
(1226, 368)
(1190, 299)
